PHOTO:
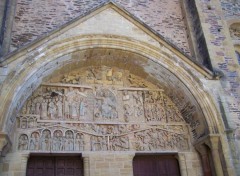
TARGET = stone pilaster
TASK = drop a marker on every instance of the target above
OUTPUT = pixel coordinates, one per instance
(24, 160)
(213, 143)
(202, 150)
(86, 165)
(182, 163)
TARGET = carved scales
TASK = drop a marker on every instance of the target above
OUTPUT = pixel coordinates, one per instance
(100, 109)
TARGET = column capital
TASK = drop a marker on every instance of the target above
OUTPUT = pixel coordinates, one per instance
(201, 148)
(25, 156)
(213, 142)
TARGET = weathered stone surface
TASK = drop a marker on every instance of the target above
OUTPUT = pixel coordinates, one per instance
(163, 16)
(151, 61)
(231, 8)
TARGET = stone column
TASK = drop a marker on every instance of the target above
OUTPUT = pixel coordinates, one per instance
(182, 163)
(202, 150)
(86, 165)
(214, 142)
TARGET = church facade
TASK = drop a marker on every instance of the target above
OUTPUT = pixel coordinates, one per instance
(120, 87)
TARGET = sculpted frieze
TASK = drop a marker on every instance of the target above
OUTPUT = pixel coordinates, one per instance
(158, 139)
(112, 138)
(102, 109)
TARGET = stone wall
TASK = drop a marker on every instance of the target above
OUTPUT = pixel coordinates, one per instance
(2, 21)
(224, 60)
(111, 164)
(231, 8)
(196, 33)
(35, 18)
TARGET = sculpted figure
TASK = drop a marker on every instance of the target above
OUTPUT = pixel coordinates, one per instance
(23, 142)
(46, 140)
(118, 143)
(29, 104)
(127, 112)
(99, 143)
(32, 108)
(74, 109)
(31, 123)
(58, 141)
(44, 109)
(52, 109)
(82, 107)
(59, 108)
(23, 123)
(38, 108)
(79, 142)
(34, 141)
(67, 108)
(139, 103)
(126, 96)
(69, 143)
(105, 105)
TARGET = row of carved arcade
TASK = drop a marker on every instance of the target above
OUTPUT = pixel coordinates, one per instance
(143, 140)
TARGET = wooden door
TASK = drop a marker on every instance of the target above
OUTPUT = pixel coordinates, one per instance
(54, 166)
(155, 166)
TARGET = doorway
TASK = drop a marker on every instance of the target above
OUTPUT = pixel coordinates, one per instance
(155, 165)
(55, 166)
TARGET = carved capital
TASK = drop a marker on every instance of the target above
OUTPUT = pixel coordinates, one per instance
(213, 142)
(201, 148)
(25, 157)
(5, 144)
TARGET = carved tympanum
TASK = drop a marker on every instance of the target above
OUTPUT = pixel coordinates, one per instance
(102, 109)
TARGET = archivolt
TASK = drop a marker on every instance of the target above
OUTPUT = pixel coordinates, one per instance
(41, 61)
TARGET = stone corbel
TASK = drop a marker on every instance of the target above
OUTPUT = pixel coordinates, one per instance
(5, 144)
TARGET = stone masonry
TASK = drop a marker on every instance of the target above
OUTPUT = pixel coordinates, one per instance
(216, 91)
(35, 18)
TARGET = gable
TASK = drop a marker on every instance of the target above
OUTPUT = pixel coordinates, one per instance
(112, 22)
(163, 16)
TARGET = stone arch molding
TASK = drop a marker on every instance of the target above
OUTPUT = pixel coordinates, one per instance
(95, 50)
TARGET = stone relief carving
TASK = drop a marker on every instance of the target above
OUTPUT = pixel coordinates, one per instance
(102, 109)
(99, 143)
(46, 140)
(106, 138)
(34, 141)
(235, 31)
(158, 139)
(105, 105)
(23, 142)
(79, 142)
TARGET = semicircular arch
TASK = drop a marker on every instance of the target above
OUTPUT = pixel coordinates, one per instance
(37, 65)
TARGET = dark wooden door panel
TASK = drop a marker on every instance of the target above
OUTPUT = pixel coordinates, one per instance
(155, 166)
(40, 166)
(55, 166)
